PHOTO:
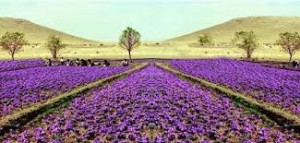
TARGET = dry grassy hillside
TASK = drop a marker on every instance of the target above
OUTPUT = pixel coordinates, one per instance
(266, 28)
(35, 33)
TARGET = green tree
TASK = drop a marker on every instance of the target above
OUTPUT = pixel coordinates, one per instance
(205, 40)
(246, 41)
(129, 40)
(290, 43)
(12, 42)
(54, 44)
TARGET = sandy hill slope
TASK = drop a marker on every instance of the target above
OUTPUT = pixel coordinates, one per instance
(266, 29)
(35, 33)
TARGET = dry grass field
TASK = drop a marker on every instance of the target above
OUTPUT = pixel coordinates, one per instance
(173, 51)
(266, 28)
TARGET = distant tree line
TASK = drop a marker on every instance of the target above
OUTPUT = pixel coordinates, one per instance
(13, 42)
(247, 41)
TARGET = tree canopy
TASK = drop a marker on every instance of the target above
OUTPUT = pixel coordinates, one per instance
(246, 41)
(129, 40)
(290, 43)
(205, 40)
(55, 44)
(13, 42)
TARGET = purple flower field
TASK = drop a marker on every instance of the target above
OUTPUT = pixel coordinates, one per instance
(20, 88)
(9, 65)
(269, 85)
(152, 105)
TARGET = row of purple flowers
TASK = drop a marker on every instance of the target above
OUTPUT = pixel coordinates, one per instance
(20, 88)
(152, 106)
(278, 87)
(9, 65)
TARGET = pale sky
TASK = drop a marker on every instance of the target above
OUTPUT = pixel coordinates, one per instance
(104, 20)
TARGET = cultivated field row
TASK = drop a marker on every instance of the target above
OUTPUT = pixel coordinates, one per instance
(152, 105)
(141, 108)
(21, 116)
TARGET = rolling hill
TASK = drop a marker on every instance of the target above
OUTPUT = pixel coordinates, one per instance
(266, 29)
(35, 33)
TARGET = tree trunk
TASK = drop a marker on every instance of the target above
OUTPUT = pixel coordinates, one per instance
(13, 56)
(248, 54)
(129, 52)
(290, 60)
(12, 53)
(54, 54)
